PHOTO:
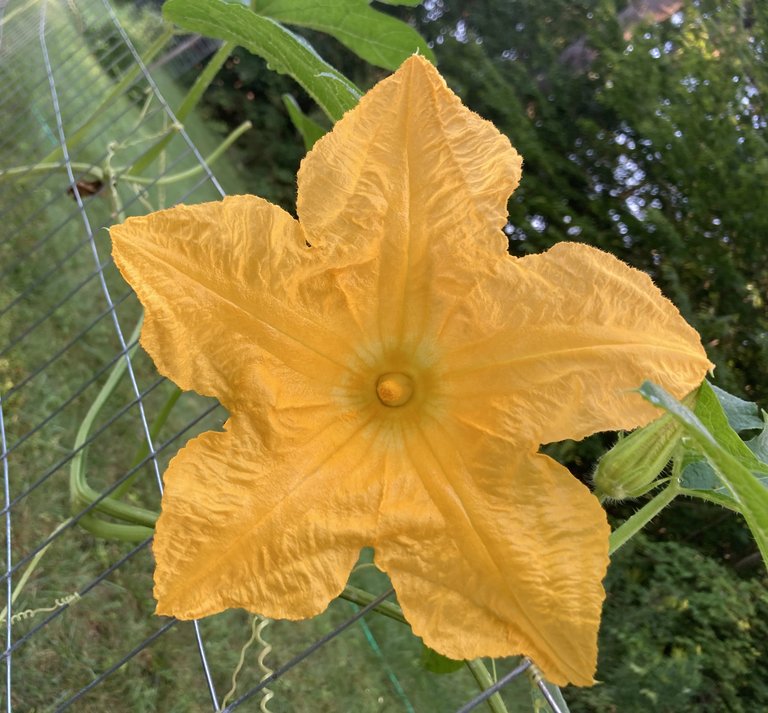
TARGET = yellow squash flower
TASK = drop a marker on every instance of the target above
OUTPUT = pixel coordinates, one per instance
(390, 372)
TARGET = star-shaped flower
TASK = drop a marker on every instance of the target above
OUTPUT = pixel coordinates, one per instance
(390, 372)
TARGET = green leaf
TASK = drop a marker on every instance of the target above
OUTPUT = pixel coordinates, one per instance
(742, 415)
(715, 420)
(284, 51)
(309, 129)
(727, 459)
(437, 663)
(759, 444)
(721, 412)
(191, 100)
(376, 37)
(700, 480)
(700, 476)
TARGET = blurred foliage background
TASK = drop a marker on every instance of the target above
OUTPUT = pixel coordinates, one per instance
(643, 129)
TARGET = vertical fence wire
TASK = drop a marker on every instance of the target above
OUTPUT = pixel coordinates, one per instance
(8, 558)
(209, 175)
(151, 82)
(103, 495)
(102, 280)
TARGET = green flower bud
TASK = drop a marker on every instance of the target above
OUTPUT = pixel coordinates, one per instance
(630, 467)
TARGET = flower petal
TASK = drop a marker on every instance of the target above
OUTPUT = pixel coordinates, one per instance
(416, 181)
(273, 530)
(553, 346)
(220, 286)
(495, 553)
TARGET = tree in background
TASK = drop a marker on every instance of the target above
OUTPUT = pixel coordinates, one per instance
(643, 132)
(680, 632)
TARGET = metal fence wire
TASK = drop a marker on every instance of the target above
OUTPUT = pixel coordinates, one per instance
(80, 633)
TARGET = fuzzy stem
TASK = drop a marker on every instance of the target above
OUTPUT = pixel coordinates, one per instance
(628, 529)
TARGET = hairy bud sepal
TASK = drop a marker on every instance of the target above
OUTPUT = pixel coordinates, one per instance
(632, 466)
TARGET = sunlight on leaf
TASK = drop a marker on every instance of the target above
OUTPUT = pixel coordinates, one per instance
(284, 51)
(378, 38)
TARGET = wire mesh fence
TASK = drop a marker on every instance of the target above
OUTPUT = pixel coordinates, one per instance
(78, 106)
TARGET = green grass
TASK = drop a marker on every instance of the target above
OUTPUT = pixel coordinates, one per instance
(365, 671)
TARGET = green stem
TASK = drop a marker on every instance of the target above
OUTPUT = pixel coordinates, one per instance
(138, 523)
(711, 497)
(480, 673)
(81, 493)
(99, 174)
(183, 175)
(87, 168)
(143, 450)
(363, 598)
(392, 611)
(114, 530)
(190, 101)
(628, 529)
(30, 569)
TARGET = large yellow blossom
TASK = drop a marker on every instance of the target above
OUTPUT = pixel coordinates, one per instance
(390, 372)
